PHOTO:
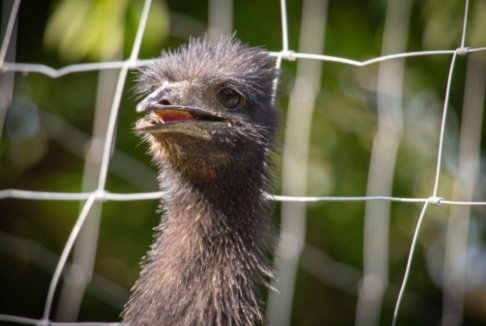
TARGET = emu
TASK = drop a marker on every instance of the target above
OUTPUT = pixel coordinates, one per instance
(210, 124)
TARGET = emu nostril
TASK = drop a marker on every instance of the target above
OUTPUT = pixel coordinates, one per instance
(164, 102)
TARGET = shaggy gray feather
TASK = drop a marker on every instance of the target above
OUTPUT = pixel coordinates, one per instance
(211, 248)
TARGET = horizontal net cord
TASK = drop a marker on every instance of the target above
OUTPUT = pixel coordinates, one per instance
(285, 55)
(110, 196)
(40, 322)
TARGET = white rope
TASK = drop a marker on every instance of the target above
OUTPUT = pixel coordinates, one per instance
(8, 31)
(106, 195)
(284, 55)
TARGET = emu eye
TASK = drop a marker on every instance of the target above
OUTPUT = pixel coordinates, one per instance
(230, 98)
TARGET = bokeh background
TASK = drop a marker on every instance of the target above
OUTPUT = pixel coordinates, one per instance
(53, 127)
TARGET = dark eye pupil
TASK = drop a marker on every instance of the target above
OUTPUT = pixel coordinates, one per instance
(229, 98)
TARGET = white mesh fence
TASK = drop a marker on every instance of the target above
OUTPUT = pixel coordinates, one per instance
(309, 59)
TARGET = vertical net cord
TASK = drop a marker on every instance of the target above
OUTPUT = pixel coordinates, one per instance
(104, 166)
(442, 127)
(458, 224)
(278, 64)
(8, 31)
(464, 24)
(7, 82)
(278, 61)
(409, 264)
(295, 155)
(77, 278)
(105, 161)
(285, 32)
(446, 101)
(434, 198)
(466, 180)
(65, 254)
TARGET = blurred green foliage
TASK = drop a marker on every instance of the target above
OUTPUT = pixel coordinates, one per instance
(47, 130)
(95, 29)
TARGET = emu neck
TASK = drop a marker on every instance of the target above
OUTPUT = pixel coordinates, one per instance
(209, 252)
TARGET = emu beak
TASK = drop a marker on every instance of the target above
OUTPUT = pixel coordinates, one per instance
(165, 116)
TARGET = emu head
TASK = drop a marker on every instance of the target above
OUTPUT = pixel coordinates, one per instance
(208, 106)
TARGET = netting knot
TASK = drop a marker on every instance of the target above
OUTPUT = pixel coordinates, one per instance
(100, 195)
(43, 322)
(463, 51)
(435, 200)
(288, 55)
